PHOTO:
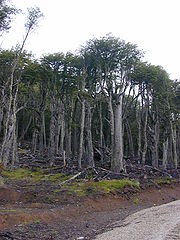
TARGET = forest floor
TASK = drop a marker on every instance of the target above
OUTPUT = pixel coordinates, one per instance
(52, 203)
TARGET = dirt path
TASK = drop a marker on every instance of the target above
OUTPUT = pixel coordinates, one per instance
(85, 218)
(157, 223)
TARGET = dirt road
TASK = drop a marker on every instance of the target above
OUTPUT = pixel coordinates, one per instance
(157, 223)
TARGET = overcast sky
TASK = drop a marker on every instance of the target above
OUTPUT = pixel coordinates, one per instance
(154, 25)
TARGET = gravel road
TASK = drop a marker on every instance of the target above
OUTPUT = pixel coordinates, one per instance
(156, 223)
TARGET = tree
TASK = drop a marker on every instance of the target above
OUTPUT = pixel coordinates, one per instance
(115, 61)
(152, 111)
(6, 13)
(9, 145)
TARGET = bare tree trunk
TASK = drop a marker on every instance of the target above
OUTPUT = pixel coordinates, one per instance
(41, 133)
(117, 161)
(90, 151)
(52, 132)
(173, 136)
(101, 134)
(2, 108)
(139, 122)
(58, 128)
(68, 138)
(44, 131)
(165, 154)
(75, 130)
(61, 147)
(82, 123)
(144, 151)
(9, 146)
(81, 137)
(112, 127)
(130, 140)
(34, 140)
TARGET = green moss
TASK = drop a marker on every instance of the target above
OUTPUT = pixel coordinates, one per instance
(105, 186)
(18, 174)
(56, 191)
(34, 176)
(1, 181)
(8, 210)
(165, 180)
(58, 177)
(136, 200)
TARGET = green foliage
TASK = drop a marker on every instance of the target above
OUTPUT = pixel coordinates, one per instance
(34, 14)
(6, 14)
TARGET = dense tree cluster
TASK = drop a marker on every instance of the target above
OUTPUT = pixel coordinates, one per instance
(102, 104)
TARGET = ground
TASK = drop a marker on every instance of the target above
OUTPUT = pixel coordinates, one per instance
(61, 202)
(28, 210)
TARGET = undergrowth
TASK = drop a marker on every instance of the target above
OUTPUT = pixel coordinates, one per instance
(35, 176)
(103, 187)
(165, 180)
(75, 187)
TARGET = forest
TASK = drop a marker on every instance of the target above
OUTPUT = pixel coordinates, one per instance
(87, 138)
(102, 105)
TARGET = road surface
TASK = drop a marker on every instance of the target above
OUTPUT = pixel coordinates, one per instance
(156, 223)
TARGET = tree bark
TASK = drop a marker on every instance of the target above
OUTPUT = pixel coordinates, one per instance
(117, 158)
(144, 151)
(173, 136)
(90, 151)
(165, 154)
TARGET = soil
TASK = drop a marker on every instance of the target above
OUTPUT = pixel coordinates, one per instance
(25, 216)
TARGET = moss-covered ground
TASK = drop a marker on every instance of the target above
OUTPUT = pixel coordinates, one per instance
(78, 187)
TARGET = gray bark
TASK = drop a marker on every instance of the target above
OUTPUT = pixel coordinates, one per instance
(144, 151)
(165, 153)
(82, 122)
(173, 136)
(81, 137)
(117, 157)
(90, 151)
(139, 122)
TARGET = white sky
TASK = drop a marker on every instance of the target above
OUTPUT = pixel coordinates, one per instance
(154, 25)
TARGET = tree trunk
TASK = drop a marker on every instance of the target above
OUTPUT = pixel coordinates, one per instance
(173, 136)
(90, 151)
(52, 132)
(101, 134)
(61, 147)
(130, 140)
(81, 137)
(117, 161)
(144, 151)
(112, 127)
(139, 122)
(165, 154)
